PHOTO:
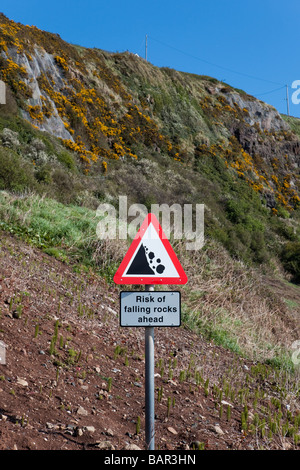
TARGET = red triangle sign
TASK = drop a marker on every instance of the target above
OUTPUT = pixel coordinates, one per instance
(150, 258)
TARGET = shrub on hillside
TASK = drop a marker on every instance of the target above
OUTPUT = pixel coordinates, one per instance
(67, 160)
(15, 173)
(290, 257)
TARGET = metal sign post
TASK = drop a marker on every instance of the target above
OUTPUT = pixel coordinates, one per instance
(150, 260)
(149, 383)
(149, 309)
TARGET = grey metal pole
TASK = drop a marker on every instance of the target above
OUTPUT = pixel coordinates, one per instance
(149, 383)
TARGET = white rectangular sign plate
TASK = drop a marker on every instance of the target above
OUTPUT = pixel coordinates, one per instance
(150, 308)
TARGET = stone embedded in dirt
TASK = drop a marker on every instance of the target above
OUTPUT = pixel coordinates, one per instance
(22, 382)
(105, 445)
(287, 445)
(109, 432)
(224, 402)
(172, 430)
(89, 429)
(172, 382)
(132, 447)
(81, 411)
(71, 429)
(218, 430)
(78, 432)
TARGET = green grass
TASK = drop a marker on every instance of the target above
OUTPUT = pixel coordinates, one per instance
(57, 228)
(66, 232)
(293, 122)
(221, 330)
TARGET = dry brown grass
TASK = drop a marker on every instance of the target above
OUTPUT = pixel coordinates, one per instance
(235, 302)
(224, 299)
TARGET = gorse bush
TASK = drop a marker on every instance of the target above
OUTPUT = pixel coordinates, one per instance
(236, 215)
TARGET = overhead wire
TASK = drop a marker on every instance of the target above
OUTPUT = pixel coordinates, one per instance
(271, 91)
(215, 65)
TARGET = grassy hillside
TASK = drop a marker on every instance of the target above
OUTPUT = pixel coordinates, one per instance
(83, 126)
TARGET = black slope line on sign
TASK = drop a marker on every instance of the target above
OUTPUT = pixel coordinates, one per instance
(140, 263)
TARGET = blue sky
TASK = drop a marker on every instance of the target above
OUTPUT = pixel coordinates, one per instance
(249, 44)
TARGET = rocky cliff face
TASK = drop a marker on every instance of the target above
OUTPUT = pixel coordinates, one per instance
(117, 106)
(40, 64)
(268, 139)
(257, 112)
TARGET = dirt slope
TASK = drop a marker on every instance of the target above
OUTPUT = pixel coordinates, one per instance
(89, 393)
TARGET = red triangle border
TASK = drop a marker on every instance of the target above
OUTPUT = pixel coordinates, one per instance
(118, 277)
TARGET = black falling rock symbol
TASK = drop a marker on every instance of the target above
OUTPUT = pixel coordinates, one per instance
(140, 264)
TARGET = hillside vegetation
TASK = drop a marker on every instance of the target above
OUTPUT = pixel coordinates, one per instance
(83, 126)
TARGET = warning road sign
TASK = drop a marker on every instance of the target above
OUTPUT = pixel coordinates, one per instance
(150, 258)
